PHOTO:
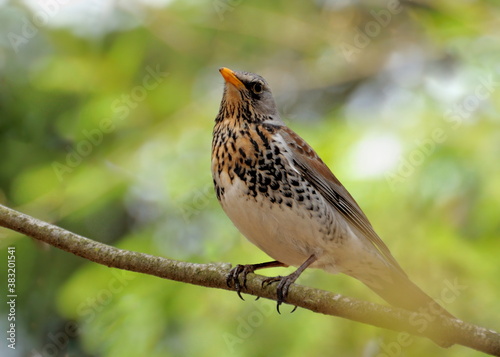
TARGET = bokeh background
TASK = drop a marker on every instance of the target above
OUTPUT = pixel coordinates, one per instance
(106, 113)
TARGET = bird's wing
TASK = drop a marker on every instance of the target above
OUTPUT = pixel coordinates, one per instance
(312, 168)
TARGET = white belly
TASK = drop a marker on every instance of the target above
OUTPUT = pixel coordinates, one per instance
(285, 233)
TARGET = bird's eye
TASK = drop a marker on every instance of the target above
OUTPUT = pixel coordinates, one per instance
(257, 87)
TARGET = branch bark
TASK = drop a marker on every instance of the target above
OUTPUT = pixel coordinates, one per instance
(214, 276)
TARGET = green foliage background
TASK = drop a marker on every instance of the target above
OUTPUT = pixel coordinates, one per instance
(106, 112)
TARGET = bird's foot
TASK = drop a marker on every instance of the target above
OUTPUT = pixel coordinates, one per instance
(284, 283)
(233, 278)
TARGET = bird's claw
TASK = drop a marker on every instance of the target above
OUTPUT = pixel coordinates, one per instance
(281, 290)
(233, 278)
(284, 282)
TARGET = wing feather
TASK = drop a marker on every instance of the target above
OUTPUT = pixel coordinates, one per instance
(312, 168)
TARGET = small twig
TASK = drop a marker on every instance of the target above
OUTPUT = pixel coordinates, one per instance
(214, 276)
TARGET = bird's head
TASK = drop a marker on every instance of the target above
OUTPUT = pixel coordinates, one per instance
(248, 98)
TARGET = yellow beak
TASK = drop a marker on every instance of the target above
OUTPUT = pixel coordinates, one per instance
(230, 77)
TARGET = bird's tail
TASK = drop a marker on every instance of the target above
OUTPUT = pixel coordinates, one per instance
(400, 291)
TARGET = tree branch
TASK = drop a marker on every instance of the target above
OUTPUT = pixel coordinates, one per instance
(214, 276)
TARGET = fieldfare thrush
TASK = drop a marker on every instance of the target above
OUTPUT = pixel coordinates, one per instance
(285, 200)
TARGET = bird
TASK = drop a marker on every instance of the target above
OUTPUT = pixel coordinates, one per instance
(284, 199)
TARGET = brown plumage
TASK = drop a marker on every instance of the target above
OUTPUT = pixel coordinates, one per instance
(284, 199)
